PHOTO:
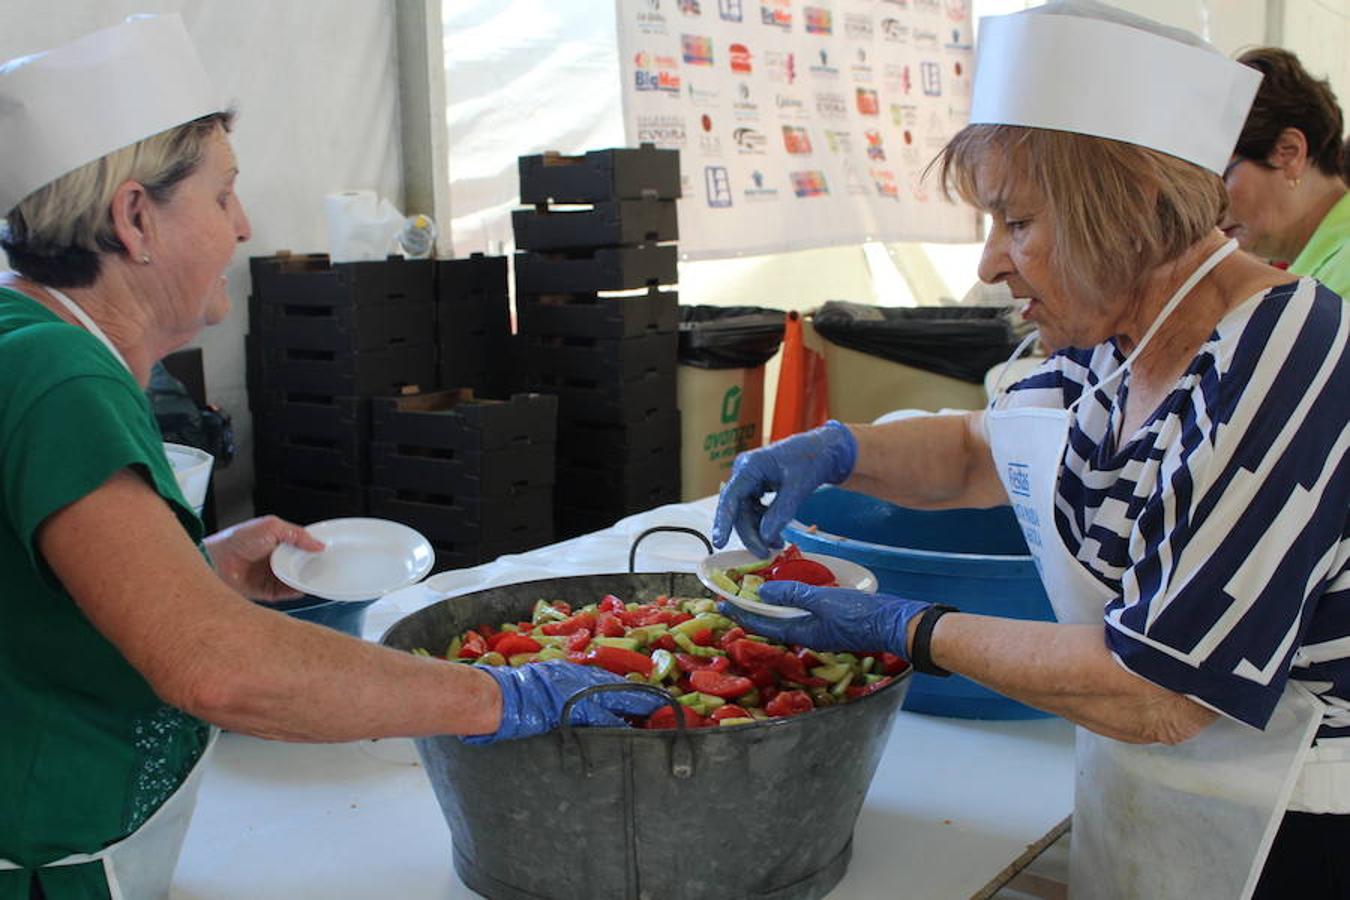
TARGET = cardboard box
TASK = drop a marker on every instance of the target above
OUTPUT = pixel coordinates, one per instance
(721, 415)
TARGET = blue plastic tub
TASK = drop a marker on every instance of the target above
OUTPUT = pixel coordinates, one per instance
(974, 559)
(346, 616)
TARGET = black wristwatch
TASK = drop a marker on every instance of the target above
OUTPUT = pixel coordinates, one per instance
(920, 656)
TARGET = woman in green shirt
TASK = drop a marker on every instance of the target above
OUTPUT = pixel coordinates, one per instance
(124, 632)
(1286, 187)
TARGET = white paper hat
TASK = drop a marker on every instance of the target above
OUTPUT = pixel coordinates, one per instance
(71, 105)
(1089, 68)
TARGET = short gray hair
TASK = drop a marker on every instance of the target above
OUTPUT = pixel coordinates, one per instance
(56, 234)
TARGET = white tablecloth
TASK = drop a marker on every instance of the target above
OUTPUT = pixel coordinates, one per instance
(953, 802)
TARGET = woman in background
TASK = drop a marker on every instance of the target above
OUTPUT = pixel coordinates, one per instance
(1286, 183)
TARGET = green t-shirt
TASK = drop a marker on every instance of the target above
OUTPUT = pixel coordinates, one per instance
(87, 751)
(1326, 256)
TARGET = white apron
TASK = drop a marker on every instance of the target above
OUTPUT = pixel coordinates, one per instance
(141, 864)
(1191, 821)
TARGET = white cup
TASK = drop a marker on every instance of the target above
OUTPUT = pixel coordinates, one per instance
(192, 468)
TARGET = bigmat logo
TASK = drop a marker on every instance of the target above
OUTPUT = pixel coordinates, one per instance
(656, 74)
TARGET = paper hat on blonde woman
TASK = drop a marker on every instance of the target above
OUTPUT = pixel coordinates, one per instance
(1089, 68)
(68, 106)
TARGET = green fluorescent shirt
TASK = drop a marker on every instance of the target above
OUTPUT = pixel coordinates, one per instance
(1325, 256)
(87, 751)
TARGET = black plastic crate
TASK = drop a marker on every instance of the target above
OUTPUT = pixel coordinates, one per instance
(460, 518)
(624, 359)
(320, 415)
(381, 370)
(462, 555)
(613, 223)
(473, 295)
(306, 502)
(600, 269)
(629, 487)
(595, 315)
(624, 173)
(311, 279)
(285, 455)
(655, 437)
(483, 473)
(608, 401)
(342, 328)
(457, 420)
(482, 364)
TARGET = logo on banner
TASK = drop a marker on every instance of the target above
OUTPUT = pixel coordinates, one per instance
(703, 96)
(650, 20)
(744, 108)
(655, 73)
(839, 141)
(663, 131)
(782, 67)
(697, 49)
(776, 13)
(930, 7)
(957, 41)
(904, 114)
(930, 78)
(709, 144)
(876, 151)
(885, 183)
(809, 183)
(818, 19)
(717, 184)
(858, 26)
(823, 68)
(739, 55)
(894, 30)
(924, 38)
(853, 182)
(860, 69)
(957, 10)
(903, 4)
(749, 140)
(868, 104)
(690, 8)
(757, 192)
(788, 105)
(831, 105)
(796, 140)
(1019, 479)
(730, 10)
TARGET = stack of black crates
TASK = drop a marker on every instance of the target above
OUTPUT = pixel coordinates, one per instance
(342, 362)
(597, 329)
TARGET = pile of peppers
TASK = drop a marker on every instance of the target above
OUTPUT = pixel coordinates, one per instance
(718, 673)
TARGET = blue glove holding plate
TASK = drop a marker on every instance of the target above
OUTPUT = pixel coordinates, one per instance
(533, 696)
(793, 468)
(836, 619)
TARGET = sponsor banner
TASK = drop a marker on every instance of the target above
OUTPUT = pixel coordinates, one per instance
(832, 108)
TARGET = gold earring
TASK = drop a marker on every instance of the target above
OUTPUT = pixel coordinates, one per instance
(145, 259)
(1293, 183)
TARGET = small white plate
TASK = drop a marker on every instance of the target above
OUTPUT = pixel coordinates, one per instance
(848, 574)
(362, 559)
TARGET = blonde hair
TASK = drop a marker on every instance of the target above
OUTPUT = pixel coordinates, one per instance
(1118, 211)
(56, 234)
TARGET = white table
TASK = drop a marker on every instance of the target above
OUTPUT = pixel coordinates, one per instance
(954, 801)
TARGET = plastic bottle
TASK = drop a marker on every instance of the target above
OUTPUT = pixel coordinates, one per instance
(418, 237)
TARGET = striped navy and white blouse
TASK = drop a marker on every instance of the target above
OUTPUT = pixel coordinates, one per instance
(1223, 524)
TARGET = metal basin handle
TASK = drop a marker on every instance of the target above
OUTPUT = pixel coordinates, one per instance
(680, 529)
(681, 753)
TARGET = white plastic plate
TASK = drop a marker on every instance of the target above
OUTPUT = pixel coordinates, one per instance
(363, 559)
(848, 574)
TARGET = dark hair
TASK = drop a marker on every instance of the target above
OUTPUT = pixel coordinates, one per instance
(1289, 97)
(56, 234)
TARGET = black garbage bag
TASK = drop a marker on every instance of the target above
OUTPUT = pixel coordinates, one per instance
(729, 337)
(182, 421)
(961, 342)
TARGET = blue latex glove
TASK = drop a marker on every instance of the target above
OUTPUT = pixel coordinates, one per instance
(793, 467)
(533, 696)
(840, 618)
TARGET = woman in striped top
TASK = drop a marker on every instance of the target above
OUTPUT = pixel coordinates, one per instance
(1181, 468)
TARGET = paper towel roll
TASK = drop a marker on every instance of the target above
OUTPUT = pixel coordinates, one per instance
(361, 226)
